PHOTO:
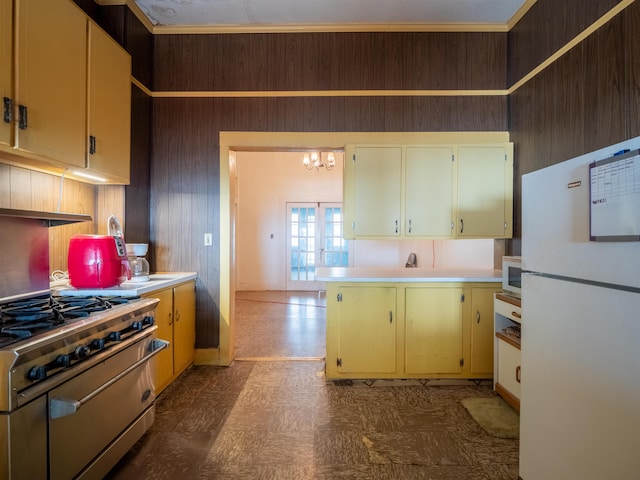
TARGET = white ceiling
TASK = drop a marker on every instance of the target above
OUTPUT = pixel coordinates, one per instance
(291, 13)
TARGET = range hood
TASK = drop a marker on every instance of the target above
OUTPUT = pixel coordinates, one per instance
(50, 219)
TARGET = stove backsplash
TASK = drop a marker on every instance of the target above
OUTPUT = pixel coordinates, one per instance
(24, 256)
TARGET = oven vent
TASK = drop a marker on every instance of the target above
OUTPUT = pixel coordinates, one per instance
(50, 219)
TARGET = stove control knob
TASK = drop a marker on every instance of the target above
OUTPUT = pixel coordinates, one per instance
(114, 336)
(82, 352)
(63, 360)
(148, 320)
(38, 373)
(136, 326)
(98, 344)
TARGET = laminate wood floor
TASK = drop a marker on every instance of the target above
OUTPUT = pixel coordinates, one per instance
(272, 415)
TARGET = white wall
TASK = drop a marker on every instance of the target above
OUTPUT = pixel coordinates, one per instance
(453, 254)
(267, 181)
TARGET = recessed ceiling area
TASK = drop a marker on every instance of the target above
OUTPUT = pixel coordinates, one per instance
(292, 13)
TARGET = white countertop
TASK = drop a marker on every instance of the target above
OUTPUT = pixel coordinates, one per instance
(396, 275)
(157, 281)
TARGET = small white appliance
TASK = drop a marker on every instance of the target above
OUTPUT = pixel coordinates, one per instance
(139, 265)
(512, 276)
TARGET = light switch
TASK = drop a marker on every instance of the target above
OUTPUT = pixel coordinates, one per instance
(208, 239)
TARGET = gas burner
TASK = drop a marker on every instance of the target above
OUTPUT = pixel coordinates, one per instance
(23, 318)
(24, 330)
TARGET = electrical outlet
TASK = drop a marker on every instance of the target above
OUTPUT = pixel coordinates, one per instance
(208, 239)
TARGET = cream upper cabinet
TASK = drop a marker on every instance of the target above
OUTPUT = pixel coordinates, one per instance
(373, 191)
(428, 191)
(484, 191)
(109, 106)
(429, 179)
(51, 80)
(68, 91)
(434, 330)
(6, 69)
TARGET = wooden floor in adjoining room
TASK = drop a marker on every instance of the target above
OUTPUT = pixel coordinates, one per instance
(272, 414)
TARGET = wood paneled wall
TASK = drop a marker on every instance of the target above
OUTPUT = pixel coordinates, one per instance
(128, 31)
(330, 61)
(137, 193)
(185, 164)
(547, 27)
(588, 99)
(24, 189)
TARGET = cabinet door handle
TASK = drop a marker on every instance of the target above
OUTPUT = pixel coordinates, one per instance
(516, 314)
(92, 144)
(396, 226)
(7, 111)
(518, 374)
(390, 316)
(477, 316)
(22, 117)
(409, 225)
(461, 225)
(171, 319)
(177, 315)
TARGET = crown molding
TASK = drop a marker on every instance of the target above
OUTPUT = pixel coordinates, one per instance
(328, 28)
(522, 11)
(133, 6)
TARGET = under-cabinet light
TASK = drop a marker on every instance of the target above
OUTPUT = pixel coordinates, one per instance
(89, 176)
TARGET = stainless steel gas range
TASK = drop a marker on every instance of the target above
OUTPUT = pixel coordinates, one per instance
(76, 384)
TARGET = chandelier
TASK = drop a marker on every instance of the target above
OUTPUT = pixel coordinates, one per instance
(315, 160)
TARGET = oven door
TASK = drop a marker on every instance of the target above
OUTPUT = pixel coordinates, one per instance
(23, 442)
(95, 417)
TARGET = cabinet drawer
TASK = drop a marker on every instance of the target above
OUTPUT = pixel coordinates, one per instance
(509, 367)
(507, 309)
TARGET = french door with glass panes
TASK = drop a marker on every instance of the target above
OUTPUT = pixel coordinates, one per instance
(314, 233)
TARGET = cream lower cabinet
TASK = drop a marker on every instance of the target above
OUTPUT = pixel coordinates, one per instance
(363, 332)
(507, 325)
(175, 318)
(482, 331)
(410, 330)
(434, 330)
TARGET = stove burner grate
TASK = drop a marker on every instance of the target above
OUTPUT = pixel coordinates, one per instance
(22, 318)
(25, 330)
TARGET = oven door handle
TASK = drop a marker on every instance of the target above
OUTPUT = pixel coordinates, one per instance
(61, 407)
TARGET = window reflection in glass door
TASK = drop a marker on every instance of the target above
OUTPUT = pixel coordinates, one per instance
(314, 240)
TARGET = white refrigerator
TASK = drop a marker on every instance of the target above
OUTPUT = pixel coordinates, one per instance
(580, 388)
